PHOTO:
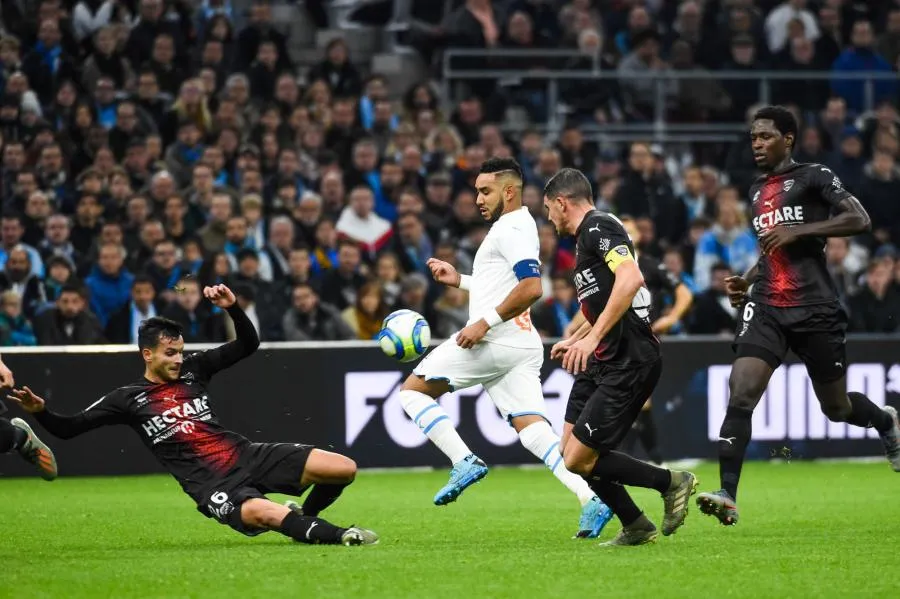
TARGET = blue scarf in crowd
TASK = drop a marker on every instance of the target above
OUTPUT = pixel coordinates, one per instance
(49, 56)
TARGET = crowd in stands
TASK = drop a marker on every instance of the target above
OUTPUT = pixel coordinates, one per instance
(151, 147)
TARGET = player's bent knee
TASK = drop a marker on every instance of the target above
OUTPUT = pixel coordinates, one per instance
(432, 389)
(347, 469)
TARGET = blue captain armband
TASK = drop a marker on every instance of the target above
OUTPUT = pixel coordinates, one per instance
(525, 269)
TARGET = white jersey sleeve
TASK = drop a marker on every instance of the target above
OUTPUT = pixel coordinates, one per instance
(508, 254)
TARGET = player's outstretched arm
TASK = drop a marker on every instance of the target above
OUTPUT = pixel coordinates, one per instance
(246, 340)
(523, 295)
(98, 414)
(446, 273)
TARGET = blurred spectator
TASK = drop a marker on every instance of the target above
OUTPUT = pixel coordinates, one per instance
(69, 322)
(551, 316)
(879, 191)
(861, 57)
(341, 284)
(366, 316)
(451, 313)
(889, 42)
(639, 94)
(693, 204)
(712, 313)
(645, 191)
(840, 266)
(310, 320)
(360, 224)
(414, 296)
(18, 277)
(849, 160)
(15, 329)
(876, 307)
(11, 233)
(341, 76)
(201, 324)
(267, 296)
(780, 19)
(387, 273)
(412, 244)
(743, 57)
(730, 241)
(109, 284)
(139, 306)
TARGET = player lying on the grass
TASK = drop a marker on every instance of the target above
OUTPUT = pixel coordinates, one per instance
(16, 435)
(616, 360)
(227, 475)
(498, 348)
(793, 304)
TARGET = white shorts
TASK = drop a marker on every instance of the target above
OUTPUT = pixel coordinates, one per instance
(511, 376)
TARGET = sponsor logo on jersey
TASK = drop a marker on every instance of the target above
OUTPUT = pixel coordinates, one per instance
(756, 197)
(788, 185)
(603, 245)
(786, 215)
(836, 183)
(179, 418)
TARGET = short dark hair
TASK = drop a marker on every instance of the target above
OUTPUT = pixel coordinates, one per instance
(74, 287)
(501, 165)
(571, 184)
(156, 328)
(784, 119)
(142, 279)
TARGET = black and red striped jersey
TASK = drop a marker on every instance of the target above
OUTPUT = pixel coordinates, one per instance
(175, 420)
(795, 274)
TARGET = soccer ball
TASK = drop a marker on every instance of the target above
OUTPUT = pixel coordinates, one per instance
(404, 335)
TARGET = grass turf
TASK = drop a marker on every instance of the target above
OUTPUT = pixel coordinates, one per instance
(807, 530)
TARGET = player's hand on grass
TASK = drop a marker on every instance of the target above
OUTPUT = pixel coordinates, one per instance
(6, 376)
(219, 295)
(443, 272)
(576, 358)
(736, 289)
(776, 237)
(472, 334)
(26, 398)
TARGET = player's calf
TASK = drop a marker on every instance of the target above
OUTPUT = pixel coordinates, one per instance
(258, 513)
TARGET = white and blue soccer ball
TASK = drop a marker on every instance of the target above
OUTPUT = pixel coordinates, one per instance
(404, 335)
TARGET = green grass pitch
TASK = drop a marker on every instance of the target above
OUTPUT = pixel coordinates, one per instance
(807, 530)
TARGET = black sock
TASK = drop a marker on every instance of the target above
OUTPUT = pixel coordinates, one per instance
(320, 498)
(866, 414)
(621, 468)
(733, 439)
(617, 498)
(11, 437)
(647, 432)
(308, 529)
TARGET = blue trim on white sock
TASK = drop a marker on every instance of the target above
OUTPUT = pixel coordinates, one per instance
(558, 460)
(552, 447)
(435, 421)
(419, 415)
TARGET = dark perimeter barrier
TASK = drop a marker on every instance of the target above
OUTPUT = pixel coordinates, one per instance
(343, 397)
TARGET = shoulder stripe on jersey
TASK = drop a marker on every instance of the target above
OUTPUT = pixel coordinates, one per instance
(95, 404)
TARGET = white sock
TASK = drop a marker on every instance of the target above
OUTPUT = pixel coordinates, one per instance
(539, 439)
(434, 422)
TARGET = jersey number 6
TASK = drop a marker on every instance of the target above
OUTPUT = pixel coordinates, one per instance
(748, 311)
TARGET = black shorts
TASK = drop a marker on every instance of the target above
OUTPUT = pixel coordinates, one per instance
(606, 400)
(817, 334)
(266, 468)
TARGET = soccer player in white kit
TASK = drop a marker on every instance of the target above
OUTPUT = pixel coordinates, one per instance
(498, 348)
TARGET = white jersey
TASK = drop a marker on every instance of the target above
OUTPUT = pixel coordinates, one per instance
(510, 248)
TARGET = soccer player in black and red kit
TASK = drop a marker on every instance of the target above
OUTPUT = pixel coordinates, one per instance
(617, 363)
(226, 474)
(793, 303)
